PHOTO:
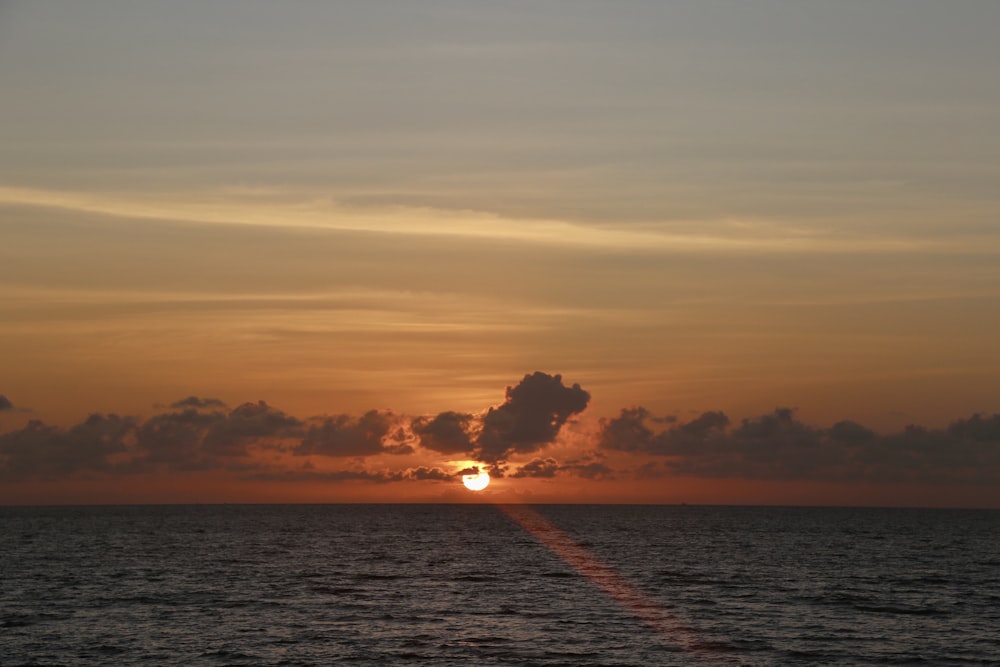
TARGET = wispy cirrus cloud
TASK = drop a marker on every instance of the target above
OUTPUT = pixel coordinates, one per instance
(304, 209)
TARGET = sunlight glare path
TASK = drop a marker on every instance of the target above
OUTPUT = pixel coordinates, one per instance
(669, 628)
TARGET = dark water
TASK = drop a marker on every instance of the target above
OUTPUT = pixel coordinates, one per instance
(468, 585)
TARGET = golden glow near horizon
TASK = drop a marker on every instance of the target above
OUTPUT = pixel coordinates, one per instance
(346, 211)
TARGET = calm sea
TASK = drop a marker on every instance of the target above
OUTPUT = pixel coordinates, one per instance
(489, 585)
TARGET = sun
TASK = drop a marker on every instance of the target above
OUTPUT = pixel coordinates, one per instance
(476, 482)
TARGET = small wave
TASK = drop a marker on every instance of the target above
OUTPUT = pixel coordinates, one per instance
(24, 620)
(369, 576)
(899, 609)
(333, 590)
(474, 577)
(226, 654)
(20, 622)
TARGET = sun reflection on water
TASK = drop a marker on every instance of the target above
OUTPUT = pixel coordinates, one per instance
(669, 628)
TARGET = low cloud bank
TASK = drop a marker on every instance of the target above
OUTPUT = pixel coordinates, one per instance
(778, 446)
(513, 439)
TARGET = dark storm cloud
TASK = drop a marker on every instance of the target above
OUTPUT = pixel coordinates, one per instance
(447, 433)
(779, 446)
(344, 435)
(38, 451)
(198, 403)
(5, 403)
(530, 418)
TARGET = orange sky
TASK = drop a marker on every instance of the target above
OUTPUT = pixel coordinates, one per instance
(343, 210)
(540, 445)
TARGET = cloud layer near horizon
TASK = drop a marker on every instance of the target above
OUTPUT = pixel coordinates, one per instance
(260, 442)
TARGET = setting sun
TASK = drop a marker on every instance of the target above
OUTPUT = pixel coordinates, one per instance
(476, 482)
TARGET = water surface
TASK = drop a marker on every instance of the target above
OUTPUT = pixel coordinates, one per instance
(468, 585)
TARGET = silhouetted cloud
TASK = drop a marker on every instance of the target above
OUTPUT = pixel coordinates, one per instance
(446, 433)
(5, 403)
(497, 470)
(538, 468)
(198, 403)
(977, 428)
(254, 439)
(174, 440)
(627, 432)
(419, 474)
(650, 470)
(548, 467)
(249, 423)
(779, 446)
(39, 451)
(848, 431)
(195, 439)
(594, 470)
(530, 418)
(423, 473)
(344, 435)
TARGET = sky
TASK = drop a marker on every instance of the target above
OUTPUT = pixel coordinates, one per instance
(666, 252)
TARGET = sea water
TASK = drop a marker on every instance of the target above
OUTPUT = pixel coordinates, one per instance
(477, 585)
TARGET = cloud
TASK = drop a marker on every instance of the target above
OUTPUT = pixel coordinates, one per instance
(497, 470)
(256, 439)
(446, 433)
(5, 403)
(546, 468)
(649, 470)
(419, 474)
(530, 418)
(38, 451)
(198, 403)
(344, 435)
(977, 428)
(848, 431)
(174, 440)
(425, 473)
(627, 432)
(778, 446)
(249, 423)
(194, 439)
(594, 470)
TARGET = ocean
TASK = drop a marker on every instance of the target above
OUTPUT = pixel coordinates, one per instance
(498, 585)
